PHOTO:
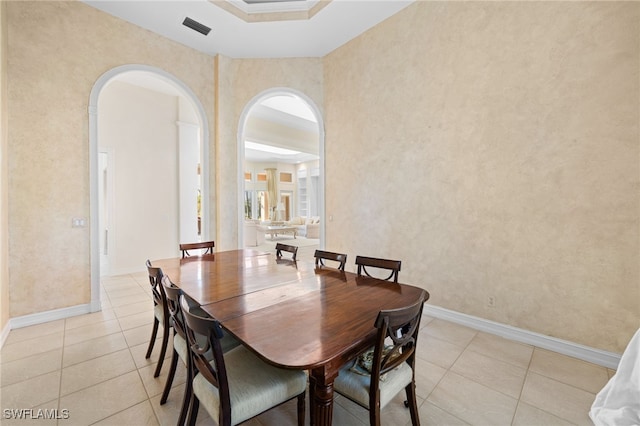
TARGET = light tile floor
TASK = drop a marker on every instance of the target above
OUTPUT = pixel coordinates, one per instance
(93, 366)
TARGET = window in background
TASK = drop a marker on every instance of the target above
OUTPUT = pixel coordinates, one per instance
(303, 203)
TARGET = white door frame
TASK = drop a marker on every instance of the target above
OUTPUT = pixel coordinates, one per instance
(94, 194)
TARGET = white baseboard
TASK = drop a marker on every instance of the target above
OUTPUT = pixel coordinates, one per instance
(585, 353)
(56, 314)
(5, 333)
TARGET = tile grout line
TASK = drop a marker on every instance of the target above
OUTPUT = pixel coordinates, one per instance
(138, 369)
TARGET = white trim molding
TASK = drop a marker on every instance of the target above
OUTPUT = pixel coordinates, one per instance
(5, 333)
(585, 353)
(53, 315)
(47, 316)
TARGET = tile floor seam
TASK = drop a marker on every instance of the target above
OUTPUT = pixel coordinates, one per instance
(145, 388)
(64, 336)
(93, 384)
(500, 359)
(555, 379)
(543, 409)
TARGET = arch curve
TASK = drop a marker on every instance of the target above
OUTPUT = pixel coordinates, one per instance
(96, 90)
(257, 99)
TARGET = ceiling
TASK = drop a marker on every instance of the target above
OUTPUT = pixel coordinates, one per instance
(257, 28)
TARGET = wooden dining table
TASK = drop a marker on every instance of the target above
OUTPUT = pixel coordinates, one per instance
(291, 314)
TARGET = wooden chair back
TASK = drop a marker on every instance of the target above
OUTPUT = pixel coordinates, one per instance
(400, 327)
(155, 277)
(214, 371)
(207, 246)
(287, 248)
(364, 262)
(321, 256)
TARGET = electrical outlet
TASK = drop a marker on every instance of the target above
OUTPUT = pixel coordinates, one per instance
(78, 222)
(491, 301)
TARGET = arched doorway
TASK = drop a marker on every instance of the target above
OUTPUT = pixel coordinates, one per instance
(280, 137)
(182, 130)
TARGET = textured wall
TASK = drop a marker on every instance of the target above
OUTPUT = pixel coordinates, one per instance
(4, 176)
(239, 81)
(53, 64)
(494, 148)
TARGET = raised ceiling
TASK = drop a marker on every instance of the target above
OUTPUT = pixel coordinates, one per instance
(257, 29)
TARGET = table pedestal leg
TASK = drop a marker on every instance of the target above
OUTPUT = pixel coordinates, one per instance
(321, 391)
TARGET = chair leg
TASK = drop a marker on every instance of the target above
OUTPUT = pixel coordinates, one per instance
(413, 404)
(301, 399)
(169, 382)
(194, 405)
(153, 337)
(163, 350)
(188, 393)
(374, 415)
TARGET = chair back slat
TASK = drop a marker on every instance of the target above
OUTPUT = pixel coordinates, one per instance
(399, 327)
(321, 256)
(286, 248)
(207, 246)
(393, 266)
(173, 294)
(155, 277)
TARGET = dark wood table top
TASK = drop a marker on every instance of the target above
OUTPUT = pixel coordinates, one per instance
(313, 320)
(289, 313)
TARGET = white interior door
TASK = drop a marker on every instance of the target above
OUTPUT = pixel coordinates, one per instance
(104, 189)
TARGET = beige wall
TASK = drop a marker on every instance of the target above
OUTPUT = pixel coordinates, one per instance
(4, 176)
(497, 146)
(498, 149)
(239, 81)
(53, 64)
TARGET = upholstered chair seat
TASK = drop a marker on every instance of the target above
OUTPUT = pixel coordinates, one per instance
(357, 385)
(254, 386)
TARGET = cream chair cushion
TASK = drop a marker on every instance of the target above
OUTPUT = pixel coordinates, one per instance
(254, 386)
(357, 385)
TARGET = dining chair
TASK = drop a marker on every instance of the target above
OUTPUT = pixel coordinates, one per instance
(237, 385)
(207, 246)
(288, 248)
(374, 379)
(180, 349)
(321, 256)
(160, 315)
(364, 262)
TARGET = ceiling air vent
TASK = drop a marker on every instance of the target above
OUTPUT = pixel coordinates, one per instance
(196, 26)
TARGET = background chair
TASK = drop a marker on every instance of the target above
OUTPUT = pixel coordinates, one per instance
(321, 256)
(396, 362)
(236, 386)
(160, 315)
(207, 246)
(180, 349)
(364, 262)
(288, 248)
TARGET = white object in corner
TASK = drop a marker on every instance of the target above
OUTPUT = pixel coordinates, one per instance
(618, 403)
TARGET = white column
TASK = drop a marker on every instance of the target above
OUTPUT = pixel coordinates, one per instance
(189, 180)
